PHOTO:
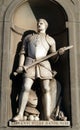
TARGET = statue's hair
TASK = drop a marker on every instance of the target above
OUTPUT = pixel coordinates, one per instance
(46, 23)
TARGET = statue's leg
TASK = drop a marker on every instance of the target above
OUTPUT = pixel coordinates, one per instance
(27, 83)
(46, 99)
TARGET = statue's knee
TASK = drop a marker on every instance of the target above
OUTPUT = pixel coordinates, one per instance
(25, 88)
(46, 89)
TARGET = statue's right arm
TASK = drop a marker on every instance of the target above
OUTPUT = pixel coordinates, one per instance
(22, 53)
(21, 63)
(21, 60)
(22, 57)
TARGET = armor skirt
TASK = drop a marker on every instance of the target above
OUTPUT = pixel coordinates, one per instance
(41, 70)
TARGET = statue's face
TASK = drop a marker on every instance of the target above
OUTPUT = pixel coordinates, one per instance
(41, 25)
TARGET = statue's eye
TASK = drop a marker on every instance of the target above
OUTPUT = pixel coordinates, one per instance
(41, 23)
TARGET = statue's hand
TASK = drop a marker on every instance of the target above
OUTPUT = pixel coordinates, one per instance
(61, 51)
(19, 69)
(25, 68)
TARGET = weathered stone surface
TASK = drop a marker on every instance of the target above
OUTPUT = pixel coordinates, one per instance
(32, 110)
(73, 25)
(40, 123)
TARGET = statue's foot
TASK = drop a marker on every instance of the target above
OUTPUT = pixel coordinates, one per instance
(18, 118)
(49, 119)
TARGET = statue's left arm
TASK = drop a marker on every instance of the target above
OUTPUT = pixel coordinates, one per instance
(52, 43)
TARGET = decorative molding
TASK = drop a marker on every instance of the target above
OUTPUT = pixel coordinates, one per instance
(17, 30)
(11, 8)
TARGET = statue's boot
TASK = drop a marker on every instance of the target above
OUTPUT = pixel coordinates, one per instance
(49, 119)
(18, 118)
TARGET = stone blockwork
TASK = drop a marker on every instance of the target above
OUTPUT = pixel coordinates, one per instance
(7, 11)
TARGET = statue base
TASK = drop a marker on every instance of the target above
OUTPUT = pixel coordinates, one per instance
(39, 123)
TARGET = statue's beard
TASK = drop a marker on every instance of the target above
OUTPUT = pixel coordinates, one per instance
(39, 29)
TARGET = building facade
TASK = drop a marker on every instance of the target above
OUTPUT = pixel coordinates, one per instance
(64, 25)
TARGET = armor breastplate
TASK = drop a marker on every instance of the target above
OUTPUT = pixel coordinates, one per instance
(37, 46)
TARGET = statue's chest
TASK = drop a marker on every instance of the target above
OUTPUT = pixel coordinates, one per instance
(38, 42)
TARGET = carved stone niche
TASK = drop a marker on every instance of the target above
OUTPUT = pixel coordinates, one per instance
(24, 18)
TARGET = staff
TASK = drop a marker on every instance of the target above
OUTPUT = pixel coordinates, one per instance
(44, 58)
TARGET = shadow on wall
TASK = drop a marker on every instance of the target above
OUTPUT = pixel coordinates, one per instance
(17, 80)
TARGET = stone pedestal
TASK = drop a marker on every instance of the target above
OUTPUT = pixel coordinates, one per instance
(39, 123)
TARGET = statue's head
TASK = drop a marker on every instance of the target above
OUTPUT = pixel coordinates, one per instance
(42, 24)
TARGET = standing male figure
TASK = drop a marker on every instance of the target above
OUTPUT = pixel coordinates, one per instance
(36, 46)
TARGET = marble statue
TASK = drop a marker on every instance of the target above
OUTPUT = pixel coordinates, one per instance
(35, 47)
